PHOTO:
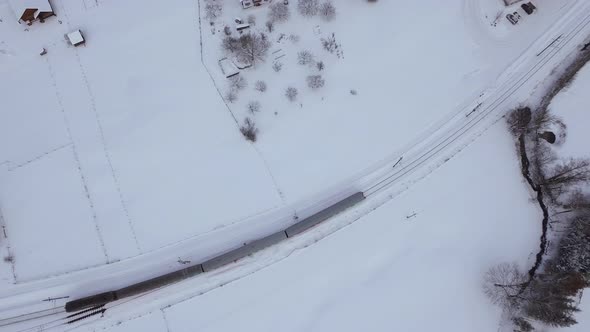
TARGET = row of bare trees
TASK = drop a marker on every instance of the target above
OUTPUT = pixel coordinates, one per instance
(548, 296)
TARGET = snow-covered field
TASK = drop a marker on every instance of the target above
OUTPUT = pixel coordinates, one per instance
(133, 124)
(572, 105)
(132, 127)
(130, 147)
(395, 60)
(386, 271)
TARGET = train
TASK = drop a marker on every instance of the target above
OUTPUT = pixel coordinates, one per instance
(228, 257)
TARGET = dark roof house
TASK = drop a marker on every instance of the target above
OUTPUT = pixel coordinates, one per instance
(29, 11)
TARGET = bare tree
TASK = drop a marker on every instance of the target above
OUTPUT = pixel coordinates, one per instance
(260, 86)
(543, 120)
(249, 130)
(566, 174)
(304, 57)
(327, 10)
(503, 284)
(577, 200)
(230, 44)
(315, 81)
(279, 12)
(518, 120)
(254, 107)
(253, 47)
(291, 93)
(308, 7)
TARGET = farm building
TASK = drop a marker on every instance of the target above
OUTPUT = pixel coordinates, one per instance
(75, 38)
(31, 10)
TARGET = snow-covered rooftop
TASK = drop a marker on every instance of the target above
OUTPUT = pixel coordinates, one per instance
(75, 37)
(19, 6)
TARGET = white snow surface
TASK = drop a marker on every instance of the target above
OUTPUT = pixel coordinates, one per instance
(386, 271)
(147, 155)
(573, 105)
(158, 154)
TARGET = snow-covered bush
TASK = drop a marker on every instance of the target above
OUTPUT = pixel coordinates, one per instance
(227, 30)
(291, 93)
(277, 66)
(315, 81)
(320, 65)
(260, 86)
(249, 130)
(330, 44)
(279, 12)
(254, 107)
(238, 83)
(231, 96)
(327, 11)
(308, 7)
(304, 57)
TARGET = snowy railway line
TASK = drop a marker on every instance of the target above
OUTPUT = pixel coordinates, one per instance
(444, 139)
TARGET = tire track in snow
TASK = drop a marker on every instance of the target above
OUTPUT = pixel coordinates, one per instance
(107, 154)
(4, 234)
(77, 160)
(39, 157)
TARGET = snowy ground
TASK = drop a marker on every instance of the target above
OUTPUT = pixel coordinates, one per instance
(573, 105)
(135, 130)
(146, 154)
(396, 62)
(386, 270)
(134, 125)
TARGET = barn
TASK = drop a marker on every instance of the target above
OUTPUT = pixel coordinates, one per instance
(28, 11)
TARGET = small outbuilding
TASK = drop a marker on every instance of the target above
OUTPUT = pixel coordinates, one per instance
(28, 11)
(250, 3)
(228, 68)
(528, 8)
(76, 38)
(247, 3)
